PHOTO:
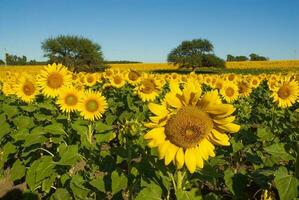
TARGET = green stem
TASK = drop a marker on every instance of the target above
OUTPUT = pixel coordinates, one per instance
(180, 178)
(90, 132)
(297, 161)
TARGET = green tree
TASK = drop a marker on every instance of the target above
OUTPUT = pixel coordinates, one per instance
(255, 57)
(78, 53)
(236, 58)
(2, 62)
(193, 54)
(15, 60)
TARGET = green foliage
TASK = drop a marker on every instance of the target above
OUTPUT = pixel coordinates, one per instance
(195, 53)
(78, 53)
(57, 157)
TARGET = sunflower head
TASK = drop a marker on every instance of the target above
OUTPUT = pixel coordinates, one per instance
(68, 99)
(53, 79)
(185, 131)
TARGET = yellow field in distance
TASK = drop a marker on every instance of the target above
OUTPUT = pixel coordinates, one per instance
(282, 64)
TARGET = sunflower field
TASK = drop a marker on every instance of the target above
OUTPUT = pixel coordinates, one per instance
(125, 134)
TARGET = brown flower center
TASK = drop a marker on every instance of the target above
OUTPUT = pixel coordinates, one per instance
(71, 100)
(231, 77)
(133, 75)
(28, 88)
(148, 86)
(91, 105)
(90, 79)
(284, 92)
(117, 79)
(55, 80)
(229, 92)
(188, 126)
(242, 87)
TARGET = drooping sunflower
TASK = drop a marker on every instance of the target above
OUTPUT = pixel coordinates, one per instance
(92, 105)
(229, 92)
(68, 99)
(54, 78)
(286, 93)
(27, 89)
(148, 88)
(186, 127)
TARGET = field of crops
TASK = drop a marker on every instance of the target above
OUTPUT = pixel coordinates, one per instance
(125, 134)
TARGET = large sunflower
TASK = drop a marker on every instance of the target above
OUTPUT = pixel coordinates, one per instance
(27, 89)
(133, 77)
(92, 105)
(53, 78)
(186, 127)
(68, 99)
(117, 80)
(286, 93)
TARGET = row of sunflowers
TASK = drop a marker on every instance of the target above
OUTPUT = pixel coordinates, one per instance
(125, 134)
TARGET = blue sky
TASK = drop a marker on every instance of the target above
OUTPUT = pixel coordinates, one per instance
(147, 30)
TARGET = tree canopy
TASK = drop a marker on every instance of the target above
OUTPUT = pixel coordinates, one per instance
(78, 53)
(195, 53)
(252, 57)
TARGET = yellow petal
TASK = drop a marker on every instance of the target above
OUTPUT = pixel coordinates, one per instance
(211, 97)
(179, 158)
(173, 100)
(199, 160)
(163, 149)
(231, 127)
(219, 138)
(224, 120)
(175, 87)
(170, 153)
(155, 133)
(219, 109)
(151, 125)
(190, 159)
(158, 109)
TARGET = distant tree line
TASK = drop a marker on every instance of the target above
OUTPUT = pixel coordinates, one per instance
(11, 59)
(252, 57)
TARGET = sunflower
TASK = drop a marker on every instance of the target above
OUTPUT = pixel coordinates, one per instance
(186, 127)
(133, 77)
(68, 99)
(92, 105)
(286, 93)
(229, 92)
(244, 88)
(255, 81)
(53, 78)
(148, 89)
(27, 89)
(117, 80)
(90, 79)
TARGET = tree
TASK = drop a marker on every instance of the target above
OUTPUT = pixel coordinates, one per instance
(15, 60)
(193, 54)
(2, 62)
(236, 58)
(255, 57)
(78, 53)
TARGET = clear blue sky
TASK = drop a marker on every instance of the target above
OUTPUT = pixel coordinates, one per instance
(147, 30)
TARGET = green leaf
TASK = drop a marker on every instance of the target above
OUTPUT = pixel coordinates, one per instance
(286, 184)
(48, 182)
(32, 139)
(193, 194)
(264, 134)
(228, 179)
(69, 155)
(98, 183)
(8, 149)
(101, 127)
(45, 168)
(4, 128)
(278, 152)
(9, 110)
(105, 137)
(119, 182)
(17, 170)
(23, 122)
(61, 194)
(55, 129)
(150, 192)
(77, 186)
